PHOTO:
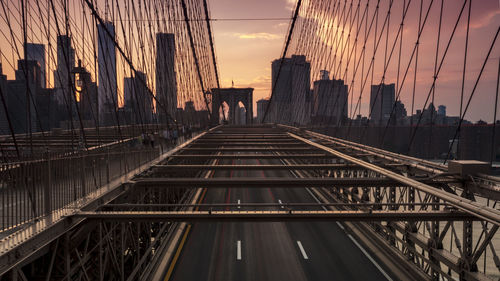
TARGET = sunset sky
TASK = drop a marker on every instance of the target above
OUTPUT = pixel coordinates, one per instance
(246, 48)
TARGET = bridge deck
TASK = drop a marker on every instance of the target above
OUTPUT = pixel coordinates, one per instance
(241, 207)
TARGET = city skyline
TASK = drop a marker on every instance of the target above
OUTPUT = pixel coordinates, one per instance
(240, 41)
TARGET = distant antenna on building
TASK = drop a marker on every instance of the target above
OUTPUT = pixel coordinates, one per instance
(232, 83)
(324, 74)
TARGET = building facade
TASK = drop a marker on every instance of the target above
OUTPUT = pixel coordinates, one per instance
(62, 74)
(166, 83)
(262, 105)
(329, 101)
(381, 103)
(291, 98)
(36, 52)
(138, 100)
(4, 123)
(107, 85)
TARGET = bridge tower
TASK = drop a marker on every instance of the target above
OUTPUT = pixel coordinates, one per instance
(232, 97)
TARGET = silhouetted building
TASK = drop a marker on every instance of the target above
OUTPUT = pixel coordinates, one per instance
(381, 102)
(138, 100)
(188, 114)
(262, 105)
(46, 110)
(36, 52)
(441, 110)
(4, 124)
(291, 101)
(62, 74)
(106, 58)
(166, 83)
(29, 70)
(329, 100)
(399, 114)
(189, 106)
(22, 94)
(428, 115)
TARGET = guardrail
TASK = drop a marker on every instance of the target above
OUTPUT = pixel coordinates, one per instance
(32, 189)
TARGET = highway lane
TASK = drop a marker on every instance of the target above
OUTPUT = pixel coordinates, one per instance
(269, 250)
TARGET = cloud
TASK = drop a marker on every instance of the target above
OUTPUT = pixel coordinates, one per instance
(485, 20)
(258, 35)
(290, 4)
(281, 25)
(260, 83)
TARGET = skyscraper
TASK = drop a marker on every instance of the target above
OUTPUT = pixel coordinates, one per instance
(291, 95)
(106, 58)
(4, 124)
(36, 52)
(261, 109)
(22, 94)
(329, 100)
(381, 102)
(62, 74)
(166, 84)
(137, 98)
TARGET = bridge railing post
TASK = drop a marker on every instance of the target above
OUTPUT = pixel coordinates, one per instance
(82, 171)
(48, 187)
(107, 166)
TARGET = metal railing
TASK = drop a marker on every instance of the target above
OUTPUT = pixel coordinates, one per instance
(32, 189)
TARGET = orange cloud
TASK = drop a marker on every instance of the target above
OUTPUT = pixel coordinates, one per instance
(485, 20)
(258, 35)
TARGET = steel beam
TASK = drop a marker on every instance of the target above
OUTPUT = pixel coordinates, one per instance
(229, 144)
(286, 139)
(265, 205)
(289, 215)
(425, 165)
(469, 206)
(252, 156)
(259, 167)
(248, 149)
(250, 182)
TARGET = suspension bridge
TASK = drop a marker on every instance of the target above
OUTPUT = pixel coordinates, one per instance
(123, 157)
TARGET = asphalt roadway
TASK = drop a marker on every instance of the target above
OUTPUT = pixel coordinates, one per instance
(270, 250)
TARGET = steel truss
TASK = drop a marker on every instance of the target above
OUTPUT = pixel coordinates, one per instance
(372, 184)
(444, 251)
(439, 222)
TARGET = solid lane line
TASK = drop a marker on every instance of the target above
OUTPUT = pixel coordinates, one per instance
(302, 250)
(369, 257)
(341, 226)
(238, 250)
(170, 270)
(355, 242)
(177, 254)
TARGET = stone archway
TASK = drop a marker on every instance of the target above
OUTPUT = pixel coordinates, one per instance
(232, 96)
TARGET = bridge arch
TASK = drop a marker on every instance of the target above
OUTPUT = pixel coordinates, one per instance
(232, 97)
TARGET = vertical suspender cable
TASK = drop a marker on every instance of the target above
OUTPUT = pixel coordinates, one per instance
(463, 75)
(493, 153)
(214, 61)
(195, 56)
(472, 93)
